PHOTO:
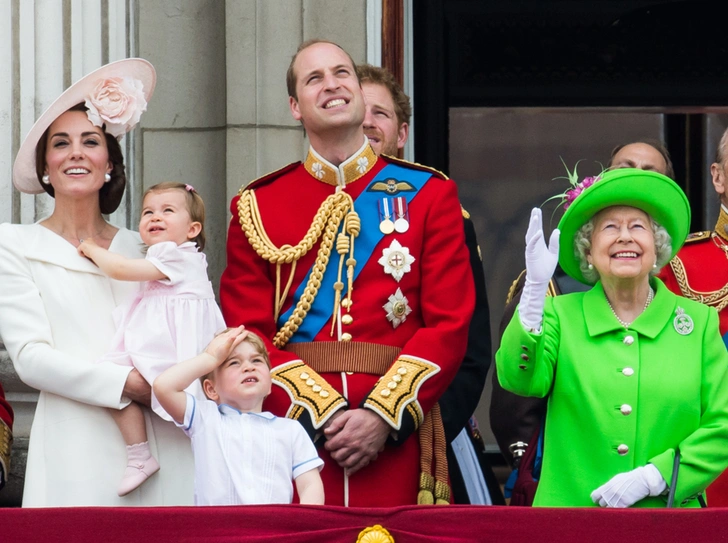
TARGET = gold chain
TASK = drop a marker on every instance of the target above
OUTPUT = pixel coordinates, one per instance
(717, 298)
(325, 224)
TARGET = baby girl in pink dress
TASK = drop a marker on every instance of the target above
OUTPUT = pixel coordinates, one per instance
(173, 317)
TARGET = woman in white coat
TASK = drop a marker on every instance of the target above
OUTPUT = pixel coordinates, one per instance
(56, 306)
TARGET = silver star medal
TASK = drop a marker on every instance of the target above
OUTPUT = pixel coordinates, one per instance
(396, 260)
(397, 308)
(683, 322)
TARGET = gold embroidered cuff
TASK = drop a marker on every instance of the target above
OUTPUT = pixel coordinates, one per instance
(397, 390)
(309, 390)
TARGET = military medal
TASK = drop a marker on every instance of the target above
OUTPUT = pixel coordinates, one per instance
(386, 226)
(401, 225)
(683, 322)
(396, 260)
(397, 308)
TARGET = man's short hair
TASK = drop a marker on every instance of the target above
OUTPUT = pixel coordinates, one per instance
(291, 74)
(657, 146)
(722, 152)
(382, 76)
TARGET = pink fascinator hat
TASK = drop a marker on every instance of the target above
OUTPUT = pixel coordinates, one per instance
(116, 95)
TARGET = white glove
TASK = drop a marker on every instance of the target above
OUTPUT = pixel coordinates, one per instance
(540, 265)
(626, 489)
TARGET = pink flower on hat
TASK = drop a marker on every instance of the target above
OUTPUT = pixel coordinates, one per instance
(571, 194)
(117, 102)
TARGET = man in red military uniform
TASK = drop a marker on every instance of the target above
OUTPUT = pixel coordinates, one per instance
(355, 270)
(700, 272)
(6, 437)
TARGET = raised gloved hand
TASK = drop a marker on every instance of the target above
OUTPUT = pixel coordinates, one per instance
(626, 489)
(540, 265)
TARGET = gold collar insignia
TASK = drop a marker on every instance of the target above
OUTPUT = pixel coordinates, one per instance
(350, 170)
(721, 227)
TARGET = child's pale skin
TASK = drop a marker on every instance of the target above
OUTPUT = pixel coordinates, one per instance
(240, 378)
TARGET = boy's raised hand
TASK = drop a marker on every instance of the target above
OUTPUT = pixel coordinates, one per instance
(223, 344)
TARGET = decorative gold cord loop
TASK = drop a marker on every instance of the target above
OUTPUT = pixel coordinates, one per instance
(716, 298)
(325, 225)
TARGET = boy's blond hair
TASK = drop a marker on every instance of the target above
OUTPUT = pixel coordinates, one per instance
(251, 338)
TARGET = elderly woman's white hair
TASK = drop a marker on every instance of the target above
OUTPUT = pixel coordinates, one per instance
(582, 245)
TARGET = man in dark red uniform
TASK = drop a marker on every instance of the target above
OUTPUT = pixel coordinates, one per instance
(700, 272)
(6, 437)
(355, 270)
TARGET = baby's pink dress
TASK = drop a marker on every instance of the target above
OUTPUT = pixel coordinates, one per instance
(170, 320)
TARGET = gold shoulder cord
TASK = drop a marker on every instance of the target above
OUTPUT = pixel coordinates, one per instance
(717, 298)
(334, 209)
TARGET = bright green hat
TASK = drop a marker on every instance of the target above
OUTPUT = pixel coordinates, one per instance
(655, 194)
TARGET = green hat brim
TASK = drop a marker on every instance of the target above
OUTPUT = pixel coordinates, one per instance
(655, 194)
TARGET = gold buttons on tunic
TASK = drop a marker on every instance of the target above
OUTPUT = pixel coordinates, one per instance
(324, 394)
(397, 378)
(346, 336)
(385, 392)
(402, 370)
(628, 372)
(625, 409)
(304, 375)
(310, 382)
(622, 449)
(346, 303)
(392, 385)
(347, 319)
(316, 388)
(628, 340)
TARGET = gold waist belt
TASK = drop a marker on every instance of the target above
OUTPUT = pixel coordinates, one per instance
(351, 356)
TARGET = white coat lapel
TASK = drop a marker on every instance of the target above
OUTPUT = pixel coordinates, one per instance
(44, 245)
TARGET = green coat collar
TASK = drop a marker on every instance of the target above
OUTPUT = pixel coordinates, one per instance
(600, 319)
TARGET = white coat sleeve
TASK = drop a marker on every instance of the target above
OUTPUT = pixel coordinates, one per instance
(26, 332)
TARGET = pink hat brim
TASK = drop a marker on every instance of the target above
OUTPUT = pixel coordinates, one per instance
(25, 177)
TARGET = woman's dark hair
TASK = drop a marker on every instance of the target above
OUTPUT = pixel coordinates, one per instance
(111, 193)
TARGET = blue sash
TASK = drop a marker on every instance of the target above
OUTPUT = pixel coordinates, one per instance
(366, 205)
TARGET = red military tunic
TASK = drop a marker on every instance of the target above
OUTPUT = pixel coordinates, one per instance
(415, 360)
(700, 272)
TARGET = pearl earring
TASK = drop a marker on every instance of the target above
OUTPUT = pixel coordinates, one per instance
(107, 177)
(46, 179)
(654, 266)
(590, 266)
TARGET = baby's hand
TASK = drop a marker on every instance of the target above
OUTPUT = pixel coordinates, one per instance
(223, 344)
(86, 246)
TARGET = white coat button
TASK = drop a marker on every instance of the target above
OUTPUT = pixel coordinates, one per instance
(627, 371)
(628, 340)
(626, 409)
(623, 449)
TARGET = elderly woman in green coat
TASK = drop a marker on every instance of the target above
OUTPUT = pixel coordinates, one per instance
(633, 373)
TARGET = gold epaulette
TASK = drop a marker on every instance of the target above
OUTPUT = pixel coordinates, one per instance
(466, 215)
(698, 236)
(269, 176)
(415, 166)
